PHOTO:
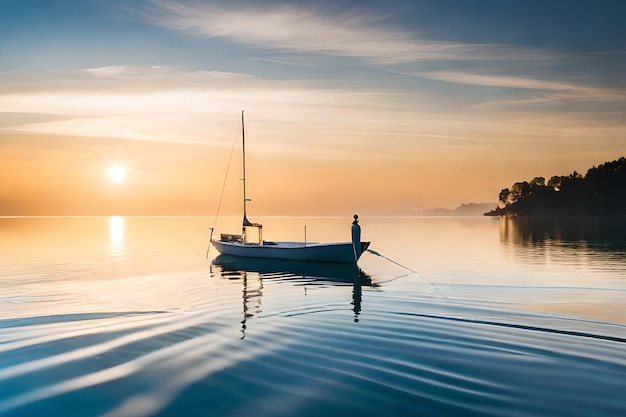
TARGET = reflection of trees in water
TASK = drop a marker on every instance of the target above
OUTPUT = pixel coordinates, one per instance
(572, 240)
(534, 230)
(252, 272)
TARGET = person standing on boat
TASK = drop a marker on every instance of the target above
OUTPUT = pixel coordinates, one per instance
(356, 237)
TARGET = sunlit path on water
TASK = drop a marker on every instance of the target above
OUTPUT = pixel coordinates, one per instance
(116, 235)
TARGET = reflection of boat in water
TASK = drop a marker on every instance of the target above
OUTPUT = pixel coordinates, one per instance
(310, 272)
(301, 272)
(250, 242)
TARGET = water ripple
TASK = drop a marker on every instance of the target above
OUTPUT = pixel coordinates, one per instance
(304, 359)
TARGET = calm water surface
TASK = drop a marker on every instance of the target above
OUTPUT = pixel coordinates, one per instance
(459, 316)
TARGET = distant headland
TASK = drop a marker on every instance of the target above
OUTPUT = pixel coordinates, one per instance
(601, 192)
(469, 209)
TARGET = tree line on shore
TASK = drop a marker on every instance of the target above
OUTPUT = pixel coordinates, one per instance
(602, 191)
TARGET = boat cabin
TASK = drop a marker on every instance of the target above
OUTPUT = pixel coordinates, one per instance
(225, 237)
(251, 234)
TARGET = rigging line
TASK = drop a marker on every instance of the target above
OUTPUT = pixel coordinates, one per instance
(432, 284)
(230, 160)
(219, 205)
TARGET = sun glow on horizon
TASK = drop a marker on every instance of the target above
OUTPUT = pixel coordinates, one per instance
(117, 174)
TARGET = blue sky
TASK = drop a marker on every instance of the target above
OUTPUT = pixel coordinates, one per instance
(506, 90)
(32, 29)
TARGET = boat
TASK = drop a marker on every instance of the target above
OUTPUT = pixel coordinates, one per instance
(250, 243)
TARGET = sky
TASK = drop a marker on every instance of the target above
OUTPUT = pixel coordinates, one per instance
(369, 107)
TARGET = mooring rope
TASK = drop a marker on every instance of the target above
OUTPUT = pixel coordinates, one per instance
(432, 284)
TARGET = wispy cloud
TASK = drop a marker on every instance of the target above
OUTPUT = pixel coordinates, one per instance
(548, 91)
(162, 104)
(310, 30)
(498, 81)
(167, 105)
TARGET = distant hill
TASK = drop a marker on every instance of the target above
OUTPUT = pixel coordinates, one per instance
(469, 209)
(601, 192)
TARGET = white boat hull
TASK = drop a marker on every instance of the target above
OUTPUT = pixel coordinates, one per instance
(321, 252)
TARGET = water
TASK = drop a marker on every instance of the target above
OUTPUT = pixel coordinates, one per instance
(462, 316)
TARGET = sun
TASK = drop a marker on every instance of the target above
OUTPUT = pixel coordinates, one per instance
(117, 174)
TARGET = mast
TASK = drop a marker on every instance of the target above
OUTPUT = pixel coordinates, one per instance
(246, 222)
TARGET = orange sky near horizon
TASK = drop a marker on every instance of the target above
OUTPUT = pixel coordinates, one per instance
(43, 175)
